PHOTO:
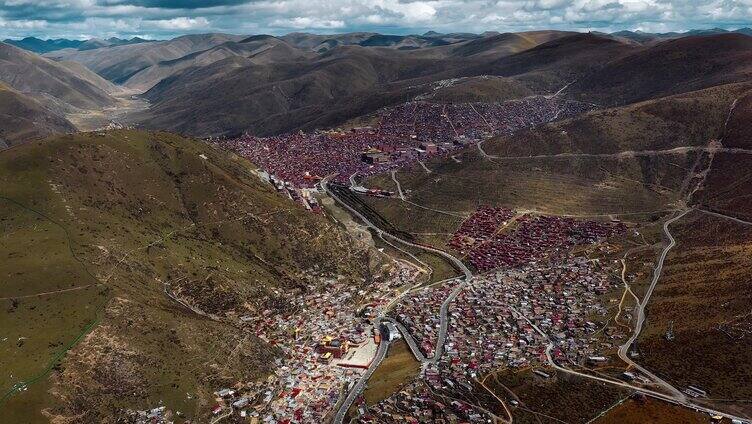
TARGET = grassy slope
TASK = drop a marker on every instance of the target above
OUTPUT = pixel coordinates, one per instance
(564, 397)
(690, 119)
(574, 185)
(351, 81)
(699, 302)
(130, 211)
(561, 186)
(671, 67)
(482, 89)
(727, 188)
(30, 73)
(705, 289)
(398, 368)
(652, 411)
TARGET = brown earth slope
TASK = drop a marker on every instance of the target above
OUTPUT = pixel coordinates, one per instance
(23, 118)
(50, 82)
(118, 63)
(259, 50)
(738, 131)
(549, 66)
(672, 67)
(236, 94)
(704, 293)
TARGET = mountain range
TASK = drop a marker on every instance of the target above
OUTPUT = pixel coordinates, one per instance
(37, 45)
(148, 267)
(49, 91)
(648, 37)
(319, 43)
(222, 84)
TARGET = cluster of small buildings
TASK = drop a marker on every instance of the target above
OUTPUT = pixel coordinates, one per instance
(530, 238)
(158, 415)
(327, 340)
(403, 135)
(491, 321)
(419, 313)
(496, 322)
(419, 404)
(479, 228)
(306, 196)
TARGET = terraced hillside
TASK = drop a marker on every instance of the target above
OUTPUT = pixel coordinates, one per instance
(136, 253)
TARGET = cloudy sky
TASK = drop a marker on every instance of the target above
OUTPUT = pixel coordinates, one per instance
(167, 18)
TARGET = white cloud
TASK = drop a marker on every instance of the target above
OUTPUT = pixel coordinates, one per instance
(26, 24)
(54, 18)
(306, 23)
(181, 23)
(419, 11)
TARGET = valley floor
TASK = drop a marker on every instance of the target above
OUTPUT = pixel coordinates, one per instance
(121, 115)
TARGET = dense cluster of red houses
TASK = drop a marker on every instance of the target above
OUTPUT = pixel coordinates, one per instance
(479, 228)
(403, 135)
(491, 326)
(530, 238)
(417, 403)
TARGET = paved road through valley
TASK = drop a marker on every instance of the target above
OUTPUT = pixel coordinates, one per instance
(624, 349)
(383, 346)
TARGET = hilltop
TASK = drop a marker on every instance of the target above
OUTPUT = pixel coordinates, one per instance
(61, 86)
(40, 46)
(118, 63)
(671, 67)
(685, 120)
(257, 50)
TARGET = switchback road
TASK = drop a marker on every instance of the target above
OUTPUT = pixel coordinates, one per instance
(647, 392)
